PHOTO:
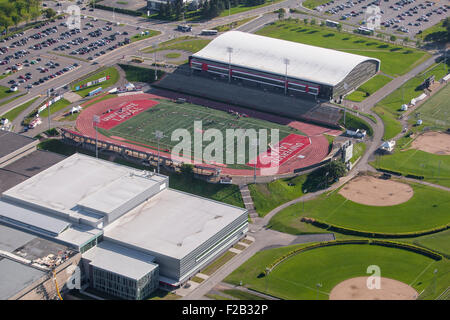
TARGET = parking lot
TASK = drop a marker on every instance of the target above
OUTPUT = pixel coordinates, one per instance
(405, 17)
(46, 52)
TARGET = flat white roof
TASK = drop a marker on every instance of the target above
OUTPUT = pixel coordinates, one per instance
(30, 218)
(172, 223)
(120, 260)
(310, 63)
(82, 179)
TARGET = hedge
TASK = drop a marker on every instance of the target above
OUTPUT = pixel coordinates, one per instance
(348, 231)
(423, 251)
(392, 244)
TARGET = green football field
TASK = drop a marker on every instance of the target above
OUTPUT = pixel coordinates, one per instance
(298, 276)
(169, 116)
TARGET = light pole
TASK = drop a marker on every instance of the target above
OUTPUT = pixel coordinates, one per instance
(155, 45)
(304, 200)
(159, 135)
(229, 7)
(286, 62)
(230, 51)
(114, 15)
(48, 108)
(267, 278)
(435, 280)
(96, 121)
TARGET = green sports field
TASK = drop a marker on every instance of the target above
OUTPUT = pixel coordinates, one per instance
(297, 277)
(439, 241)
(427, 209)
(168, 116)
(435, 111)
(395, 59)
(368, 88)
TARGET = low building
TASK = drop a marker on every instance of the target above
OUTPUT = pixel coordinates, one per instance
(131, 229)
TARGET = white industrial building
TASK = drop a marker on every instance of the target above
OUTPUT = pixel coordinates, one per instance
(134, 232)
(280, 65)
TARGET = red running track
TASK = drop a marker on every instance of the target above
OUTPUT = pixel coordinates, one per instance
(315, 152)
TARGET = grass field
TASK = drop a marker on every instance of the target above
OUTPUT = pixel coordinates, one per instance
(111, 71)
(311, 4)
(169, 116)
(368, 88)
(435, 111)
(138, 36)
(186, 43)
(297, 277)
(395, 60)
(138, 74)
(172, 55)
(228, 193)
(268, 196)
(14, 113)
(439, 242)
(5, 92)
(217, 263)
(389, 108)
(427, 209)
(233, 25)
(243, 8)
(434, 168)
(433, 33)
(358, 151)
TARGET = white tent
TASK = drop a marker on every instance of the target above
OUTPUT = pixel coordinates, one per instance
(404, 107)
(76, 109)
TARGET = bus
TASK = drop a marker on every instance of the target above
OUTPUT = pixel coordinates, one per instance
(331, 23)
(366, 31)
(184, 28)
(209, 32)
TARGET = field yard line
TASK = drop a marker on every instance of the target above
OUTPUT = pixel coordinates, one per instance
(407, 159)
(301, 285)
(425, 269)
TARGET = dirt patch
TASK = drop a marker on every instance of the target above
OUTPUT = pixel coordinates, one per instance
(356, 289)
(433, 142)
(372, 191)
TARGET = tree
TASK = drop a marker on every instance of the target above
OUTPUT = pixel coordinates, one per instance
(325, 176)
(305, 21)
(339, 27)
(281, 14)
(313, 21)
(418, 43)
(393, 38)
(49, 13)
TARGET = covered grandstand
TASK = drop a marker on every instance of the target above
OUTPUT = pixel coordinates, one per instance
(286, 67)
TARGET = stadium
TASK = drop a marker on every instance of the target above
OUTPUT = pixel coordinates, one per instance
(281, 66)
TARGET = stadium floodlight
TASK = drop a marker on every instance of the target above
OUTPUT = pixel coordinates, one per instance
(159, 135)
(155, 45)
(230, 51)
(286, 62)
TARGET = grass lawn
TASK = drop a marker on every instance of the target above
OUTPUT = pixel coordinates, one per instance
(439, 242)
(14, 113)
(354, 122)
(111, 71)
(57, 106)
(435, 111)
(197, 279)
(233, 25)
(242, 295)
(433, 33)
(296, 278)
(389, 108)
(216, 264)
(311, 4)
(186, 43)
(395, 60)
(138, 36)
(427, 209)
(172, 55)
(73, 117)
(242, 8)
(6, 92)
(268, 196)
(160, 294)
(434, 168)
(216, 297)
(138, 74)
(368, 88)
(358, 151)
(227, 193)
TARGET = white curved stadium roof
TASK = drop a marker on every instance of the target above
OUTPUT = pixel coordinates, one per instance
(310, 63)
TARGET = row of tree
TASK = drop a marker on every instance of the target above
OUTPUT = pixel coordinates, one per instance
(206, 9)
(13, 12)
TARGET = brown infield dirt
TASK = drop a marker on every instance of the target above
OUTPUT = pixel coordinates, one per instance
(372, 191)
(433, 142)
(356, 289)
